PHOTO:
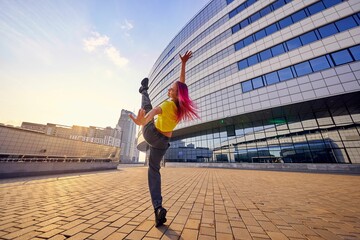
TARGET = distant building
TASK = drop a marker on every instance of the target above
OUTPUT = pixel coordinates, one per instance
(178, 152)
(127, 129)
(122, 136)
(106, 136)
(32, 145)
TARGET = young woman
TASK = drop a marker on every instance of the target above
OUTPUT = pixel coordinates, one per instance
(158, 133)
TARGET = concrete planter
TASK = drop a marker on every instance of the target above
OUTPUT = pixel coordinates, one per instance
(21, 169)
(296, 167)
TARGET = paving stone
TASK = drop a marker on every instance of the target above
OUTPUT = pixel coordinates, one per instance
(28, 235)
(76, 229)
(8, 225)
(103, 233)
(202, 204)
(224, 236)
(145, 226)
(192, 224)
(134, 235)
(206, 237)
(241, 233)
(20, 232)
(72, 224)
(259, 236)
(116, 236)
(170, 237)
(156, 232)
(223, 227)
(57, 237)
(90, 230)
(51, 233)
(120, 222)
(80, 236)
(127, 228)
(189, 234)
(277, 235)
(100, 225)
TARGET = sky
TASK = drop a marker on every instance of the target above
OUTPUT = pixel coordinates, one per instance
(80, 62)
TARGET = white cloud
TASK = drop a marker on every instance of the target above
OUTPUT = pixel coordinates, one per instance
(91, 44)
(127, 25)
(115, 57)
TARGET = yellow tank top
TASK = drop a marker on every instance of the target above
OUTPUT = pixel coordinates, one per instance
(166, 121)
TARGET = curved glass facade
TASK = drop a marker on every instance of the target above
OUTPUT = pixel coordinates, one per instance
(274, 81)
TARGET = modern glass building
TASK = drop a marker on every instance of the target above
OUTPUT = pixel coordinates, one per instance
(274, 81)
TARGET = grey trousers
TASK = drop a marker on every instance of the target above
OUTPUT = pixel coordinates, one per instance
(158, 144)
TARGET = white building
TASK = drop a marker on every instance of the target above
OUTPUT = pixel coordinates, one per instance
(274, 81)
(127, 128)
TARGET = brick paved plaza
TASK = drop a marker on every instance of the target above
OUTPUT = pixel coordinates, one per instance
(202, 203)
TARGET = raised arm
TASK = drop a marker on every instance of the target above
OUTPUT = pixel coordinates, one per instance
(184, 59)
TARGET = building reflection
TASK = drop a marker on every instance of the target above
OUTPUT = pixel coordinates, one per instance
(319, 131)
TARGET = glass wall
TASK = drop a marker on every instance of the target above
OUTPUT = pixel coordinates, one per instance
(321, 131)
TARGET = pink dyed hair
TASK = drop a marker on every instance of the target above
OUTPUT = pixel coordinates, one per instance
(186, 107)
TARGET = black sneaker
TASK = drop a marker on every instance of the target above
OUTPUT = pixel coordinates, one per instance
(144, 85)
(160, 216)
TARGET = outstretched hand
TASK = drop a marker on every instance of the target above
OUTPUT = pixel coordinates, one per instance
(186, 56)
(140, 118)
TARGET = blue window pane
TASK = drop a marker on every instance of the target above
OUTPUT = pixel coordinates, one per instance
(330, 3)
(346, 23)
(285, 74)
(242, 64)
(271, 29)
(257, 82)
(319, 63)
(244, 23)
(357, 18)
(277, 50)
(278, 4)
(255, 17)
(250, 2)
(253, 60)
(293, 43)
(330, 61)
(260, 34)
(239, 45)
(285, 22)
(240, 8)
(266, 54)
(232, 13)
(315, 8)
(246, 86)
(248, 41)
(328, 30)
(298, 16)
(341, 57)
(229, 1)
(265, 11)
(308, 38)
(235, 28)
(302, 69)
(271, 78)
(355, 51)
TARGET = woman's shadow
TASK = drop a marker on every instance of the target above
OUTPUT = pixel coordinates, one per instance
(171, 233)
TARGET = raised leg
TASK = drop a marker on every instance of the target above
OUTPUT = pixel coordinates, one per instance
(145, 99)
